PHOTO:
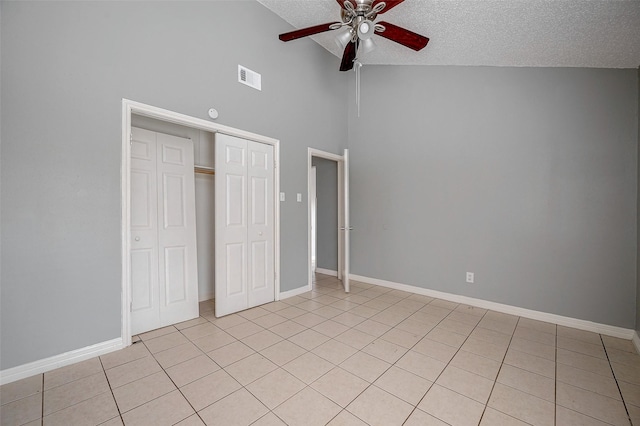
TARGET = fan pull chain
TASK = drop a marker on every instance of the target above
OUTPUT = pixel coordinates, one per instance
(357, 65)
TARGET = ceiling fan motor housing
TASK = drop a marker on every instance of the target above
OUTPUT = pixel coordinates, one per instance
(363, 6)
(361, 10)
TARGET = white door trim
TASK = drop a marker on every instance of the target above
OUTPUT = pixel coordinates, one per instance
(314, 219)
(312, 152)
(132, 107)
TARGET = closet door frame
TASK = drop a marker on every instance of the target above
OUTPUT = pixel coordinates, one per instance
(129, 108)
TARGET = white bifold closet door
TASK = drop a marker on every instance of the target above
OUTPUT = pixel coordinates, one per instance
(164, 276)
(245, 226)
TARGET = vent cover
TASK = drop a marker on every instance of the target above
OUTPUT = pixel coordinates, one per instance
(250, 78)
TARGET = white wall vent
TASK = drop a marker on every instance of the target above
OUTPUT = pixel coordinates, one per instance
(250, 78)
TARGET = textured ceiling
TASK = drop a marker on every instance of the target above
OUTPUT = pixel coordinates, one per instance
(521, 33)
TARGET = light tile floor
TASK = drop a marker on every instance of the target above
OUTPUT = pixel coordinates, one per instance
(375, 356)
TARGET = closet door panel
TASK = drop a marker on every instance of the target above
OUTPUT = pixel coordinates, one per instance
(175, 262)
(236, 275)
(230, 224)
(143, 184)
(261, 224)
(236, 217)
(260, 268)
(142, 270)
(164, 286)
(259, 204)
(145, 312)
(174, 203)
(244, 224)
(178, 281)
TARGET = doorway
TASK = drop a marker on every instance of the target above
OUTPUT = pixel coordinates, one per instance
(324, 216)
(334, 235)
(131, 108)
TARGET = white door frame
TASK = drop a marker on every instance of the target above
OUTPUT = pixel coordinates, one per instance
(312, 152)
(132, 107)
(313, 224)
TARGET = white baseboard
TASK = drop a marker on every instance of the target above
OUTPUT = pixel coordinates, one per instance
(608, 330)
(294, 292)
(636, 341)
(327, 272)
(205, 296)
(42, 366)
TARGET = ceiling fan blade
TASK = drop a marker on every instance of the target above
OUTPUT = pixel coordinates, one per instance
(390, 4)
(348, 57)
(403, 36)
(304, 32)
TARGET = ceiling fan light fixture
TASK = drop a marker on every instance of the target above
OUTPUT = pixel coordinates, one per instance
(344, 37)
(367, 45)
(365, 29)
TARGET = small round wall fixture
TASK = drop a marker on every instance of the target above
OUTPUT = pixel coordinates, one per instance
(213, 113)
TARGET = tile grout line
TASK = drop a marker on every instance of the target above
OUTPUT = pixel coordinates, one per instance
(178, 387)
(390, 364)
(172, 381)
(498, 373)
(335, 366)
(624, 403)
(409, 349)
(449, 362)
(358, 351)
(42, 403)
(111, 390)
(280, 367)
(165, 372)
(584, 389)
(77, 402)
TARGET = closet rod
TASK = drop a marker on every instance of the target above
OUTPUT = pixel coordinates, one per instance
(204, 170)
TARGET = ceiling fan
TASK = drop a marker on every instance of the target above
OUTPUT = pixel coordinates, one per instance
(357, 18)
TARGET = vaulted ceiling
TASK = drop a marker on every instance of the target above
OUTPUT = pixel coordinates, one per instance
(520, 33)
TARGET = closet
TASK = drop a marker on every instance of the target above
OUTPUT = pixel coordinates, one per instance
(226, 220)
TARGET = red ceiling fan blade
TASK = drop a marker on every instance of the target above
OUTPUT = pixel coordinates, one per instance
(402, 36)
(304, 32)
(390, 4)
(348, 57)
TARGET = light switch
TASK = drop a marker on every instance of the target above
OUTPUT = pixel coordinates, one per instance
(299, 197)
(282, 196)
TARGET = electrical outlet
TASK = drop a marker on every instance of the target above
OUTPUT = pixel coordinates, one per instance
(470, 277)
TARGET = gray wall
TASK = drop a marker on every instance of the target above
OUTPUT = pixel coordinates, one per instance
(526, 177)
(65, 68)
(327, 213)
